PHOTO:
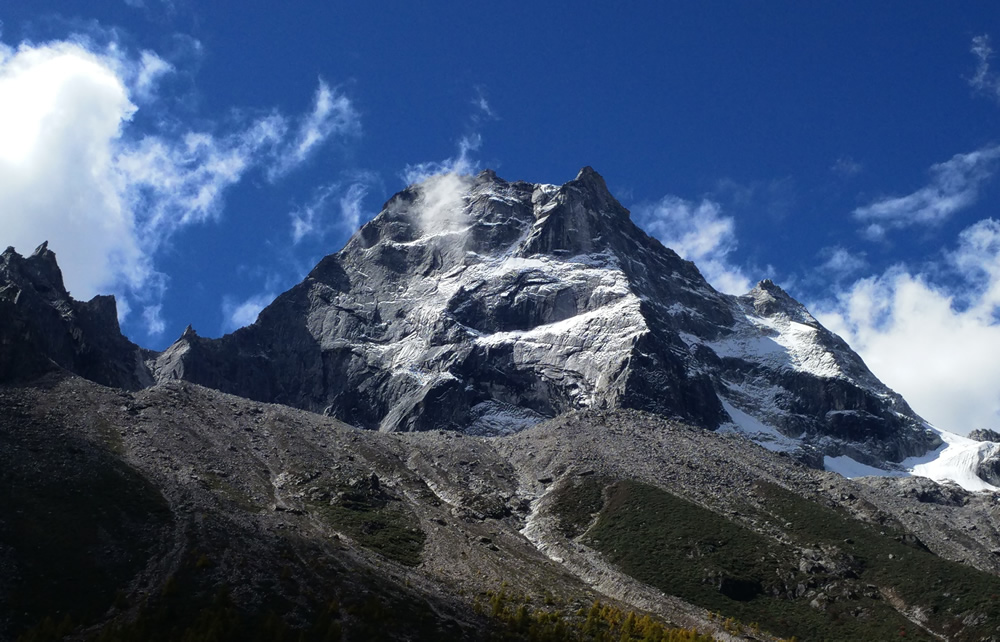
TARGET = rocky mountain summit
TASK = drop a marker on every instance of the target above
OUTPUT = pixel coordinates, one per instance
(484, 306)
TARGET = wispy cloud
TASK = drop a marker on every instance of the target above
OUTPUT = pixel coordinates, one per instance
(332, 114)
(67, 105)
(839, 263)
(305, 219)
(152, 315)
(351, 210)
(148, 73)
(333, 207)
(461, 163)
(483, 109)
(846, 166)
(698, 232)
(984, 80)
(954, 185)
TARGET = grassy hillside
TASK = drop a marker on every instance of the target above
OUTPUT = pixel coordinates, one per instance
(833, 579)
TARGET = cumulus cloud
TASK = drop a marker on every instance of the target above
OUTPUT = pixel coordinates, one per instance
(932, 333)
(73, 170)
(62, 110)
(984, 80)
(954, 185)
(698, 232)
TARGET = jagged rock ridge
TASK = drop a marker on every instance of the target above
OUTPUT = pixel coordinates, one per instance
(42, 327)
(476, 304)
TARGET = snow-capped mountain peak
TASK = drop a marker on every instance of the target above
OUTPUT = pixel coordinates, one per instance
(476, 304)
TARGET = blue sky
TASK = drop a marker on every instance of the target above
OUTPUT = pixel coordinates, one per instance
(196, 159)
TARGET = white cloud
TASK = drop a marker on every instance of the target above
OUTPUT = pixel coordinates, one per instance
(332, 114)
(985, 80)
(698, 232)
(460, 164)
(954, 186)
(483, 109)
(350, 206)
(172, 182)
(153, 318)
(62, 110)
(932, 334)
(74, 171)
(238, 314)
(151, 69)
(841, 263)
(846, 166)
(442, 187)
(307, 221)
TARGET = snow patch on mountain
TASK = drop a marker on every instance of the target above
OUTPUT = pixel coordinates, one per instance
(765, 435)
(780, 343)
(496, 419)
(957, 460)
(850, 468)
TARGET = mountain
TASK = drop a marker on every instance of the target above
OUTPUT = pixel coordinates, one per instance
(501, 412)
(474, 304)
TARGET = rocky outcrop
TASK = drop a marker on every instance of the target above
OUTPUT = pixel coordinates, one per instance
(985, 434)
(42, 327)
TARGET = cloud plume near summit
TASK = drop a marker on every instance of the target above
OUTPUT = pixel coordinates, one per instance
(76, 170)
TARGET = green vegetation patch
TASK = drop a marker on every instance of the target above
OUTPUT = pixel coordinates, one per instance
(373, 518)
(960, 602)
(693, 553)
(577, 500)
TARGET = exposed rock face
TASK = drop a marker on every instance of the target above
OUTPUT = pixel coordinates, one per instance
(42, 327)
(485, 306)
(985, 434)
